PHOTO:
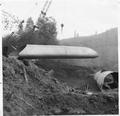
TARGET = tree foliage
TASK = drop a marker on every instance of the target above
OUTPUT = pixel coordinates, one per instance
(47, 29)
(9, 21)
(29, 24)
(45, 34)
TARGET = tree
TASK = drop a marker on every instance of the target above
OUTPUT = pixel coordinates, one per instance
(29, 24)
(40, 22)
(9, 21)
(47, 29)
(20, 28)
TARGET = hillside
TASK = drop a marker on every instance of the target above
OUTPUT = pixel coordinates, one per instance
(36, 87)
(106, 44)
(31, 88)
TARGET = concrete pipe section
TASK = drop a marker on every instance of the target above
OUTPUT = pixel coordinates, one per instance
(54, 51)
(106, 80)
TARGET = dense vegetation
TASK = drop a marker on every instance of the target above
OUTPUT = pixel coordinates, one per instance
(43, 32)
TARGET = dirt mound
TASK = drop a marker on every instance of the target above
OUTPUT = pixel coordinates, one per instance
(75, 76)
(31, 90)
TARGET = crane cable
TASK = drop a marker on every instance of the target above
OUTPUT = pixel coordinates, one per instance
(45, 8)
(42, 11)
(45, 5)
(48, 6)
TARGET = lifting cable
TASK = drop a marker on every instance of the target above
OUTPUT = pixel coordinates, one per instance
(45, 8)
(48, 6)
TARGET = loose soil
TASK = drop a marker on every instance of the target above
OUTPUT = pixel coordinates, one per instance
(47, 87)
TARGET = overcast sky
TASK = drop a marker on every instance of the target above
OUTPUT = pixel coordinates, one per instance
(85, 17)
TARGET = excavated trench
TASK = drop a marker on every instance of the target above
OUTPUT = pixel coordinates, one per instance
(45, 87)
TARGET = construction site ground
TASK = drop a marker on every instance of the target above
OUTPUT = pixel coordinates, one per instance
(48, 87)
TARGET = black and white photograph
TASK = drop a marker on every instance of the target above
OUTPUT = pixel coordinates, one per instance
(59, 57)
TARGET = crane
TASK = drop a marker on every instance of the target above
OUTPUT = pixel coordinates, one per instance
(45, 8)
